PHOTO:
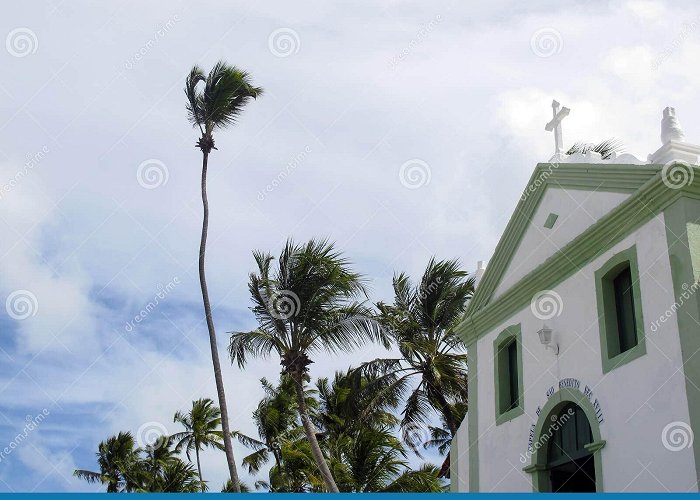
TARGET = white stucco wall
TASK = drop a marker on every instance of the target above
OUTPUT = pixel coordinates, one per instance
(577, 210)
(638, 399)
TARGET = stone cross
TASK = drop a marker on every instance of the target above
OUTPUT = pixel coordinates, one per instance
(555, 124)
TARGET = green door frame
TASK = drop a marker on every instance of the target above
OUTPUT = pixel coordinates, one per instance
(544, 430)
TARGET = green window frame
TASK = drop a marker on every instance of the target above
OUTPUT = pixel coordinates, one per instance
(508, 374)
(620, 318)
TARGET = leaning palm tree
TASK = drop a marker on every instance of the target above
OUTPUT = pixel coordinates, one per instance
(226, 91)
(202, 430)
(306, 306)
(432, 371)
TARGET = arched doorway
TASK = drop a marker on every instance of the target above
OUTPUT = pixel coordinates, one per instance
(566, 448)
(570, 464)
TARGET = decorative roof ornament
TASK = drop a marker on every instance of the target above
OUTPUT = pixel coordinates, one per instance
(555, 125)
(670, 128)
(674, 148)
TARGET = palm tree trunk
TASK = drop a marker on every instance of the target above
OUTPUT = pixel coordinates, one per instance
(311, 437)
(228, 446)
(199, 467)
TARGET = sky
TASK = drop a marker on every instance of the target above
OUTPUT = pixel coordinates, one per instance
(398, 129)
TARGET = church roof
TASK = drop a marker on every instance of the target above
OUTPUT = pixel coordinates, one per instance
(648, 190)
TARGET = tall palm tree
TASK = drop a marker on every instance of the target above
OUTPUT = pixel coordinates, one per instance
(421, 323)
(306, 306)
(202, 430)
(118, 460)
(226, 91)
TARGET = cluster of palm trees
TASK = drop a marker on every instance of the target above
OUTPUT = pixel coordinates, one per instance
(354, 433)
(338, 435)
(157, 466)
(312, 302)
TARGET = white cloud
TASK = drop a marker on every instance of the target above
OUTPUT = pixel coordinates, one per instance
(646, 10)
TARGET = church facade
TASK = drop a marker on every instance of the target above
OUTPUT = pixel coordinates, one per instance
(584, 333)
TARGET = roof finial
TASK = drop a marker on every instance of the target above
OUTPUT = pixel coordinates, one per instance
(674, 148)
(670, 128)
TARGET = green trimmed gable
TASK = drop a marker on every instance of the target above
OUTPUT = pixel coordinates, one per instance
(623, 178)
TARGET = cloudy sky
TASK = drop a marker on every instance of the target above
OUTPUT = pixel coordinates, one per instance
(400, 130)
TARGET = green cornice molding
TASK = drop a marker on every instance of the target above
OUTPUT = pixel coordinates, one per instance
(592, 177)
(647, 202)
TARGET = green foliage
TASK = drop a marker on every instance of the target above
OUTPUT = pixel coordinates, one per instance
(363, 420)
(431, 374)
(606, 148)
(357, 434)
(226, 91)
(307, 305)
(155, 468)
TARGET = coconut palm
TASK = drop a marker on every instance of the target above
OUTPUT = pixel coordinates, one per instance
(226, 91)
(157, 456)
(202, 425)
(179, 477)
(306, 306)
(432, 371)
(359, 433)
(605, 148)
(118, 460)
(276, 421)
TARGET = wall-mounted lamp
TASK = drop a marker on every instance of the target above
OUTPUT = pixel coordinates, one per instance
(545, 335)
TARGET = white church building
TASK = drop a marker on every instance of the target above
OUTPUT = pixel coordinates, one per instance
(583, 334)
